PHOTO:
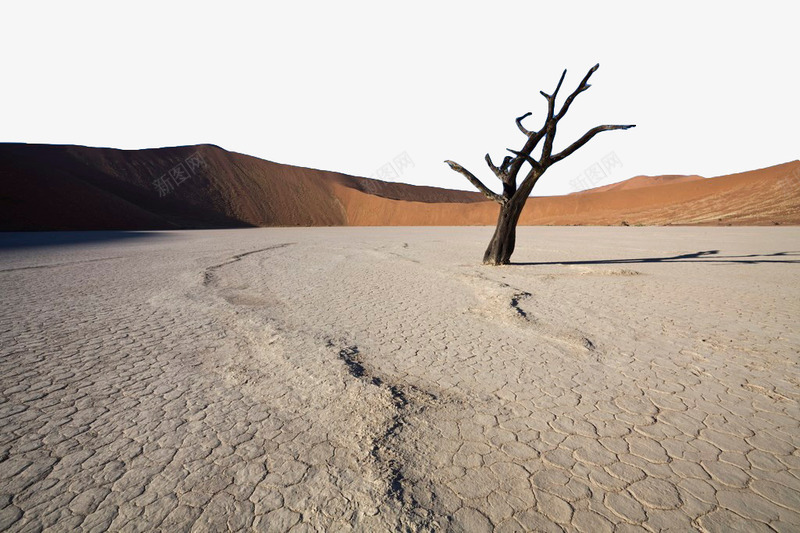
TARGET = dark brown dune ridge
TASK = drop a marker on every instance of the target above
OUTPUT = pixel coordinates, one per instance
(54, 187)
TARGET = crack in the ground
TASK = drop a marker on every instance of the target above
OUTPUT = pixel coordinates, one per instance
(382, 451)
(208, 274)
(503, 294)
(515, 299)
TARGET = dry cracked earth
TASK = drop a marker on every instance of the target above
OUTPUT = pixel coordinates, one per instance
(381, 379)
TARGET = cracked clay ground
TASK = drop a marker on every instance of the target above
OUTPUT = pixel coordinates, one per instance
(382, 379)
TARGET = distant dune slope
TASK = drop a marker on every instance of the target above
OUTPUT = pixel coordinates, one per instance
(759, 197)
(642, 181)
(47, 187)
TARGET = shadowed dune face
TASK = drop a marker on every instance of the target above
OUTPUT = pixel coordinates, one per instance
(71, 187)
(44, 187)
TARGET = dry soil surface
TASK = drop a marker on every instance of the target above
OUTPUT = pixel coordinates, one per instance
(382, 379)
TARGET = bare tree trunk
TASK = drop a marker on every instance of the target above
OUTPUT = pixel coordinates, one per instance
(513, 198)
(505, 235)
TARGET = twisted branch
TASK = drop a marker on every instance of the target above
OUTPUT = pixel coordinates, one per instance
(581, 87)
(520, 126)
(476, 182)
(534, 163)
(497, 171)
(586, 137)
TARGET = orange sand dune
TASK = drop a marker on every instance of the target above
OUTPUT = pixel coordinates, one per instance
(46, 187)
(759, 197)
(641, 181)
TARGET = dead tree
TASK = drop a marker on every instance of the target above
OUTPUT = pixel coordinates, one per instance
(513, 197)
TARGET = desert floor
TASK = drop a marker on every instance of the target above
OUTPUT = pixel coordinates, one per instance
(383, 379)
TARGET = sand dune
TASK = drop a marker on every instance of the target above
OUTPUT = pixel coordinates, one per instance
(759, 197)
(44, 187)
(70, 187)
(642, 181)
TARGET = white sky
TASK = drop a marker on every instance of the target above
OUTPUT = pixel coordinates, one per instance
(348, 86)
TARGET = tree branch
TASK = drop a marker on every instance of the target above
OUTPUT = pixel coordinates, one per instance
(519, 123)
(534, 137)
(476, 182)
(530, 179)
(550, 122)
(583, 140)
(547, 149)
(534, 163)
(581, 87)
(551, 98)
(530, 145)
(497, 171)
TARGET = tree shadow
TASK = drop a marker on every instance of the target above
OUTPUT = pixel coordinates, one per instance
(707, 256)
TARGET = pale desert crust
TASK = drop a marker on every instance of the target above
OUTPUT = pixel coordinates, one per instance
(381, 379)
